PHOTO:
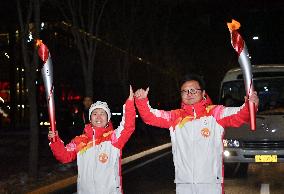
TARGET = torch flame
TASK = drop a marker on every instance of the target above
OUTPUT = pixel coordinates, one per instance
(234, 25)
(38, 42)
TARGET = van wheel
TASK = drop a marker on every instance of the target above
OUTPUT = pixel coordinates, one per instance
(236, 170)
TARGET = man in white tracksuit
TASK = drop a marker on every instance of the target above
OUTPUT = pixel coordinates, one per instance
(197, 131)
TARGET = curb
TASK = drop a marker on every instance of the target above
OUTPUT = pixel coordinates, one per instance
(55, 186)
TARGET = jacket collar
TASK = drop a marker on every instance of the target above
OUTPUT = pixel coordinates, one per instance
(198, 108)
(99, 131)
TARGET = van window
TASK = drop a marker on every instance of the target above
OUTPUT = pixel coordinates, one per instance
(270, 93)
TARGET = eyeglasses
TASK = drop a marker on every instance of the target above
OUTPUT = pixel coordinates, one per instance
(191, 91)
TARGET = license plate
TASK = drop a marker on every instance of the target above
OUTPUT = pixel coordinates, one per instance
(265, 158)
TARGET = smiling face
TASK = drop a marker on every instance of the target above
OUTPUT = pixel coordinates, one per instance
(99, 118)
(191, 92)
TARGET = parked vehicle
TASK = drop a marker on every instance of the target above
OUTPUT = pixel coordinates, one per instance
(241, 145)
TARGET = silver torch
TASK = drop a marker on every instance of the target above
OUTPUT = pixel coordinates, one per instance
(47, 75)
(240, 47)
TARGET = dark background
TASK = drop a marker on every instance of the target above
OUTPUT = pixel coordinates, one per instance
(162, 39)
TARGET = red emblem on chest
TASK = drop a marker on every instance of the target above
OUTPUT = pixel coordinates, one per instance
(103, 157)
(205, 132)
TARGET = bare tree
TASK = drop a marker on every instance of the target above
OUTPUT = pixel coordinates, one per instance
(31, 11)
(84, 17)
(128, 14)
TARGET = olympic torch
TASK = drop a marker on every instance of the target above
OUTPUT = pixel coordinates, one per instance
(240, 47)
(47, 75)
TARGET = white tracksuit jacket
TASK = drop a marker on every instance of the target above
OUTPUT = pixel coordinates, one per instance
(98, 152)
(196, 133)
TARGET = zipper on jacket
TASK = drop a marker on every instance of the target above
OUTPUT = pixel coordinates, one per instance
(194, 113)
(93, 136)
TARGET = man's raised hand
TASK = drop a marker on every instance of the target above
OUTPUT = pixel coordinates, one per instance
(141, 93)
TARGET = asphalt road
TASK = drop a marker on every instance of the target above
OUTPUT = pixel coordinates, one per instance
(154, 174)
(158, 176)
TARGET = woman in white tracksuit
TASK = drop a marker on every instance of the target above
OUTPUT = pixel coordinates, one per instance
(98, 150)
(196, 130)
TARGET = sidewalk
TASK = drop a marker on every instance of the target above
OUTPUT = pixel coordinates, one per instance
(14, 153)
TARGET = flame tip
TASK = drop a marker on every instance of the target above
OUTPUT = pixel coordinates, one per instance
(38, 42)
(234, 25)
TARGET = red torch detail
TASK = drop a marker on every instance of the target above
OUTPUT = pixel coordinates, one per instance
(43, 51)
(240, 47)
(237, 42)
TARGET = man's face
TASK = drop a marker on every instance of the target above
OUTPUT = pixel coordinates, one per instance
(191, 92)
(87, 102)
(99, 117)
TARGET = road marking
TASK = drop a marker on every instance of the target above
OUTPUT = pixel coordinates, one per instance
(72, 180)
(146, 162)
(264, 189)
(145, 153)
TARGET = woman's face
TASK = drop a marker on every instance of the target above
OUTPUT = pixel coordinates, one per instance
(99, 118)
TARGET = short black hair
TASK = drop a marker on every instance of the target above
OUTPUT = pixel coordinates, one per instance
(191, 77)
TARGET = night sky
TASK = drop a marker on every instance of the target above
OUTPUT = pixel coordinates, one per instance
(186, 36)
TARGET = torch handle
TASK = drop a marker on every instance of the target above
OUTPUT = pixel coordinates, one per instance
(252, 116)
(51, 111)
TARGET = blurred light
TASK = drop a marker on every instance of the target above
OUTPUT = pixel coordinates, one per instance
(225, 143)
(30, 38)
(6, 54)
(3, 113)
(2, 100)
(255, 38)
(237, 143)
(21, 106)
(45, 123)
(119, 114)
(226, 153)
(231, 143)
(42, 25)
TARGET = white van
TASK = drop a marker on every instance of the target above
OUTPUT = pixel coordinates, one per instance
(241, 145)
